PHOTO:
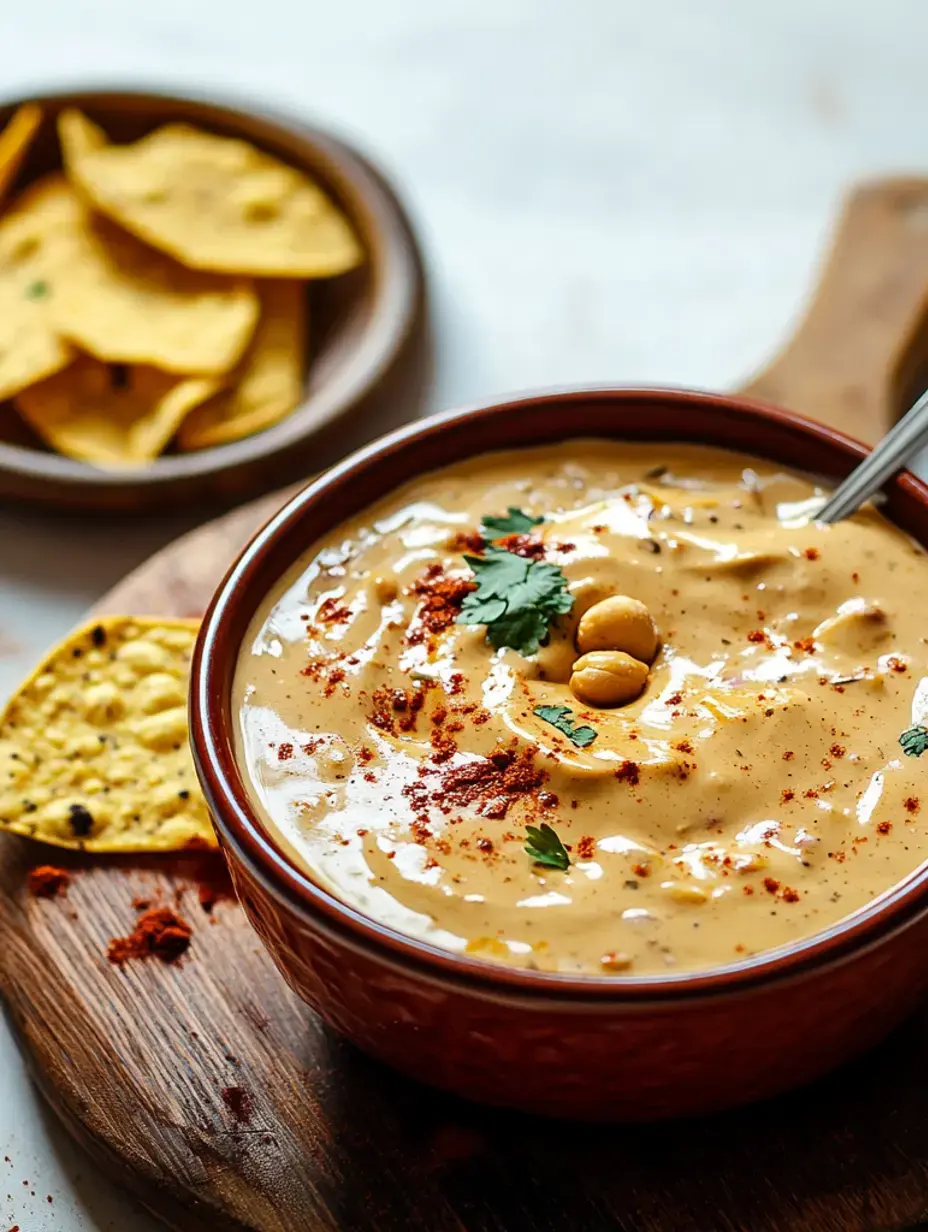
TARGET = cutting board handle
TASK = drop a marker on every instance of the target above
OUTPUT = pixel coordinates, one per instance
(854, 360)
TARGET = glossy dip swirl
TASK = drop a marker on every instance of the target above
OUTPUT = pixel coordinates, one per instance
(756, 790)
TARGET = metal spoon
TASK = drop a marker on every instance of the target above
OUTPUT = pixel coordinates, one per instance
(887, 457)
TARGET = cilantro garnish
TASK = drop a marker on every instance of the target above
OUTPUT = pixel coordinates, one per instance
(914, 741)
(38, 289)
(545, 847)
(517, 599)
(561, 717)
(515, 522)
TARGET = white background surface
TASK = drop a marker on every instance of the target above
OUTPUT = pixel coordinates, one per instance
(610, 190)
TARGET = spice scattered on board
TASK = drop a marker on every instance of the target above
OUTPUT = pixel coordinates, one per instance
(159, 933)
(47, 881)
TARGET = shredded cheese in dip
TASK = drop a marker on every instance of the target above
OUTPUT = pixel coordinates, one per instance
(755, 793)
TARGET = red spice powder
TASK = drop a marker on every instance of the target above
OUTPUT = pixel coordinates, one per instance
(441, 595)
(837, 750)
(489, 784)
(811, 553)
(586, 847)
(239, 1103)
(884, 827)
(805, 644)
(790, 895)
(897, 665)
(771, 885)
(787, 795)
(466, 541)
(528, 546)
(330, 611)
(628, 772)
(757, 635)
(388, 703)
(335, 678)
(158, 933)
(788, 755)
(911, 803)
(284, 751)
(443, 745)
(46, 881)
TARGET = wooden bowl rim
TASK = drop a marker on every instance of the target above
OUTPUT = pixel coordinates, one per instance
(714, 419)
(396, 277)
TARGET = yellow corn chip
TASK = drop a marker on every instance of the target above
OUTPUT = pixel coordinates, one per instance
(268, 383)
(123, 302)
(78, 135)
(93, 745)
(15, 141)
(212, 202)
(113, 417)
(31, 235)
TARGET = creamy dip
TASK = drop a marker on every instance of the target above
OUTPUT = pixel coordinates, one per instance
(755, 793)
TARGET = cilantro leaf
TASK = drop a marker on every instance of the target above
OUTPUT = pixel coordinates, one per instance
(914, 741)
(562, 718)
(516, 598)
(545, 847)
(38, 289)
(515, 522)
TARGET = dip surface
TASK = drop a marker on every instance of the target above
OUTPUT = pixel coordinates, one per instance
(755, 793)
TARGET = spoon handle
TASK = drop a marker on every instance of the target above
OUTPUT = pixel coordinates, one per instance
(887, 457)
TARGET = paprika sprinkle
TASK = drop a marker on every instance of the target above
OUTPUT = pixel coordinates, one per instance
(46, 881)
(158, 933)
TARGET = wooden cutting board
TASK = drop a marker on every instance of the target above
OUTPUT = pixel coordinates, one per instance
(224, 1103)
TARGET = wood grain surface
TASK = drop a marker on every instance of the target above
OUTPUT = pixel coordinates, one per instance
(136, 1060)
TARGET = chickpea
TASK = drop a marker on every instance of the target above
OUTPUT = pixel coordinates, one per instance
(618, 623)
(684, 892)
(608, 678)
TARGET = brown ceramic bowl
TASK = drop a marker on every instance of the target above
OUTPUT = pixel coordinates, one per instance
(359, 323)
(582, 1046)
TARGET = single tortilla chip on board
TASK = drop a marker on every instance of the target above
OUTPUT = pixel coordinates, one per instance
(268, 383)
(15, 141)
(213, 203)
(111, 416)
(93, 745)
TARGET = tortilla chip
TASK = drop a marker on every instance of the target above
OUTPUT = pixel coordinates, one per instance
(125, 303)
(15, 141)
(113, 417)
(78, 135)
(93, 745)
(268, 383)
(212, 202)
(31, 236)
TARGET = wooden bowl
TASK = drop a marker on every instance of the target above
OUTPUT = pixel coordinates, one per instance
(359, 323)
(631, 1048)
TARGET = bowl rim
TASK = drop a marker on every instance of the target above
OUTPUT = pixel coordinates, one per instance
(241, 830)
(396, 277)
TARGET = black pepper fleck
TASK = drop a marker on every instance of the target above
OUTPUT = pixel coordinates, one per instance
(80, 820)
